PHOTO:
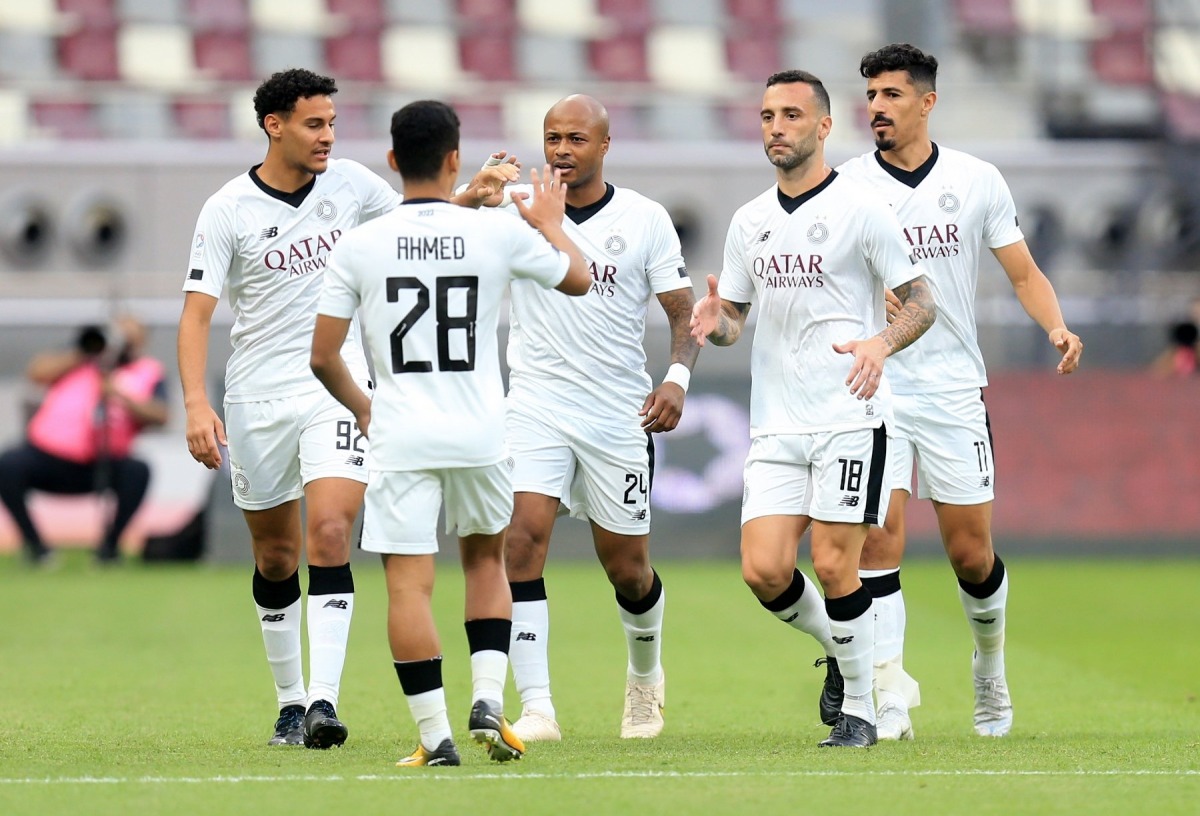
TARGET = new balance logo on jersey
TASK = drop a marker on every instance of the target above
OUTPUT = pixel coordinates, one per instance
(336, 603)
(764, 236)
(272, 618)
(984, 621)
(791, 617)
(357, 461)
(640, 515)
(843, 641)
(645, 638)
(848, 501)
(530, 636)
(269, 232)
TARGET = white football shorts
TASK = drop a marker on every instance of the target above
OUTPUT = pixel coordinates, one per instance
(599, 472)
(948, 436)
(278, 446)
(839, 476)
(401, 507)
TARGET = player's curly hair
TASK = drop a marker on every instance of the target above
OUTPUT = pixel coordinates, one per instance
(280, 91)
(422, 134)
(921, 67)
(818, 87)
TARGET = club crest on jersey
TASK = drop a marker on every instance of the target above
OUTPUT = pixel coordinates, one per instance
(817, 233)
(948, 202)
(615, 245)
(325, 210)
(198, 246)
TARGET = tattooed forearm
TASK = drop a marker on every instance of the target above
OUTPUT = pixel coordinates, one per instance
(678, 306)
(917, 313)
(730, 323)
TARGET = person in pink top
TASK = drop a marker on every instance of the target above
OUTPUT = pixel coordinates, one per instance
(98, 399)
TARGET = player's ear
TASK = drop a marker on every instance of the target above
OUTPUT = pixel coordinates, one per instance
(825, 126)
(927, 102)
(272, 124)
(604, 145)
(391, 157)
(452, 162)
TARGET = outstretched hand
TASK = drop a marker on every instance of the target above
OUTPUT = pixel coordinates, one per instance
(867, 369)
(1071, 348)
(486, 189)
(549, 202)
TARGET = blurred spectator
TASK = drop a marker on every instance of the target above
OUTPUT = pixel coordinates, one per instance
(1180, 357)
(98, 399)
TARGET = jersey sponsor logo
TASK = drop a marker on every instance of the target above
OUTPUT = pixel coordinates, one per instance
(273, 618)
(933, 241)
(325, 210)
(336, 603)
(526, 636)
(304, 256)
(843, 640)
(817, 233)
(615, 245)
(269, 232)
(196, 274)
(790, 271)
(849, 500)
(948, 202)
(604, 279)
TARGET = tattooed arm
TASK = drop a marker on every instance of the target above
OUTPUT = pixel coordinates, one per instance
(917, 313)
(664, 405)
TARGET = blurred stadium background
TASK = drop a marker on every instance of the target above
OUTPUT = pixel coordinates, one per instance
(119, 117)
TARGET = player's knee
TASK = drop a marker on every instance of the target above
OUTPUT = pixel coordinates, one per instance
(329, 538)
(766, 580)
(831, 567)
(973, 565)
(275, 559)
(523, 547)
(630, 577)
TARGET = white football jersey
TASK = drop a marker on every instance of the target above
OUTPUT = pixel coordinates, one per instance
(429, 279)
(271, 249)
(584, 356)
(951, 207)
(816, 266)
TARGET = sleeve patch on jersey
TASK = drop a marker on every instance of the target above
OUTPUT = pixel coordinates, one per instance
(1016, 221)
(196, 274)
(683, 272)
(912, 258)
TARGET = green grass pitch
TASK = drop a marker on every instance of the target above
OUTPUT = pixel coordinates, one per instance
(145, 691)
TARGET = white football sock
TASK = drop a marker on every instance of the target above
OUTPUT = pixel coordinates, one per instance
(528, 653)
(328, 631)
(986, 618)
(643, 640)
(281, 637)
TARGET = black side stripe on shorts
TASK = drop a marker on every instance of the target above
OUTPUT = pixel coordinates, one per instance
(879, 461)
(650, 453)
(987, 422)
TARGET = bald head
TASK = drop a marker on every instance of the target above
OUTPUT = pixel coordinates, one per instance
(580, 108)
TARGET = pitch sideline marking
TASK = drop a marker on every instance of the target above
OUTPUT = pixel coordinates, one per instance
(452, 777)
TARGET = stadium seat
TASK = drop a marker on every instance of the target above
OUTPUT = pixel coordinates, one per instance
(986, 16)
(201, 118)
(480, 120)
(709, 13)
(755, 12)
(1125, 15)
(277, 51)
(1177, 60)
(223, 55)
(29, 16)
(65, 118)
(88, 13)
(1123, 58)
(134, 115)
(674, 115)
(620, 58)
(490, 14)
(421, 12)
(354, 121)
(14, 117)
(1070, 19)
(549, 58)
(89, 54)
(295, 16)
(571, 18)
(753, 54)
(218, 15)
(26, 55)
(421, 57)
(359, 15)
(151, 11)
(355, 56)
(488, 54)
(688, 58)
(157, 55)
(1182, 112)
(629, 15)
(740, 120)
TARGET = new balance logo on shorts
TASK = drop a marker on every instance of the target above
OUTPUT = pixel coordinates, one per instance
(526, 636)
(640, 515)
(848, 501)
(357, 461)
(336, 603)
(986, 481)
(843, 641)
(269, 232)
(273, 618)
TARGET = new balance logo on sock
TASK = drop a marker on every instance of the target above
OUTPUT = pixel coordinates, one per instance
(843, 641)
(336, 603)
(984, 621)
(273, 618)
(791, 618)
(645, 638)
(526, 636)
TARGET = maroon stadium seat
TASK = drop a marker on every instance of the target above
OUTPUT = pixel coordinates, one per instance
(619, 59)
(88, 13)
(66, 119)
(753, 54)
(487, 54)
(986, 16)
(754, 12)
(90, 53)
(224, 15)
(1183, 115)
(630, 15)
(201, 118)
(360, 14)
(355, 56)
(223, 55)
(1124, 58)
(480, 120)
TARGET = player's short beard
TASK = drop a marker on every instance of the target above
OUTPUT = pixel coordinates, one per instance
(799, 155)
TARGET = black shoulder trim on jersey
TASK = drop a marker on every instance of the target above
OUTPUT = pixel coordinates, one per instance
(295, 199)
(423, 201)
(581, 214)
(910, 177)
(792, 204)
